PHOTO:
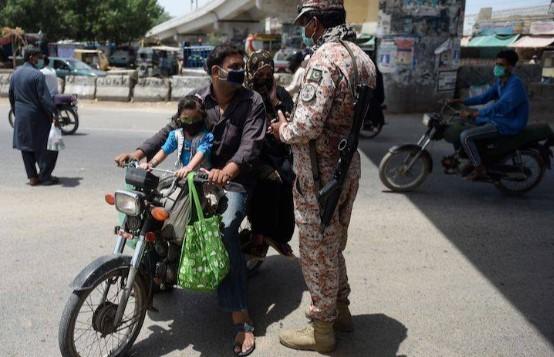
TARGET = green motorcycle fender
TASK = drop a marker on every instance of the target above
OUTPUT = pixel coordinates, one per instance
(414, 147)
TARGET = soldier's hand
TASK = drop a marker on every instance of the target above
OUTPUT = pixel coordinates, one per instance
(276, 125)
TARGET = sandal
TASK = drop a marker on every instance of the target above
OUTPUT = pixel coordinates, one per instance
(243, 328)
(281, 248)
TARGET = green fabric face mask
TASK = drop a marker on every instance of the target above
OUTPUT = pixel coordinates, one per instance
(499, 71)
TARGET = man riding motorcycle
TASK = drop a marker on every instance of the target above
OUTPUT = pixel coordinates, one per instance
(508, 115)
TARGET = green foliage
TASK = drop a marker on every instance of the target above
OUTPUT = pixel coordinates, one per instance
(83, 20)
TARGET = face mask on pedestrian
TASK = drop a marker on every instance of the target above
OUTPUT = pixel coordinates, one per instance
(499, 71)
(308, 41)
(234, 77)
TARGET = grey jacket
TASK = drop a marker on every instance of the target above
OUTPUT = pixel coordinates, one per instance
(238, 134)
(33, 107)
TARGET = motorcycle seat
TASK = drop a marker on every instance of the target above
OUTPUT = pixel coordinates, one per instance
(60, 99)
(531, 134)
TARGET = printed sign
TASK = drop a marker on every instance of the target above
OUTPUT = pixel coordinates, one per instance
(387, 57)
(447, 81)
(404, 51)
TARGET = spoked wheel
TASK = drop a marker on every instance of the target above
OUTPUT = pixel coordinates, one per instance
(531, 169)
(87, 328)
(11, 117)
(371, 131)
(69, 121)
(403, 170)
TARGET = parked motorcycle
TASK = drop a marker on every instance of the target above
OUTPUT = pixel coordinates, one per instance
(110, 297)
(66, 113)
(514, 164)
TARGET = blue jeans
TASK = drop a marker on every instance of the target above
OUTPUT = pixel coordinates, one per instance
(232, 290)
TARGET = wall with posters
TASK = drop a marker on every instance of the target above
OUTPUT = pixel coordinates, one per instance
(419, 51)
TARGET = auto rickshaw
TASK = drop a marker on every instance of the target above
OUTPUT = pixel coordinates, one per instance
(94, 58)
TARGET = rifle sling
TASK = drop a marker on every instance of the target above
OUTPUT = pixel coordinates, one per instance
(353, 86)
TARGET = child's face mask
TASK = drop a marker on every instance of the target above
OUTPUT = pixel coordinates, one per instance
(192, 125)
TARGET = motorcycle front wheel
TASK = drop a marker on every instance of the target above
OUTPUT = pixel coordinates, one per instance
(69, 121)
(11, 117)
(395, 173)
(532, 169)
(86, 327)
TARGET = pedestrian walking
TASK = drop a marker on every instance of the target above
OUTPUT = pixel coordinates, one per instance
(322, 118)
(50, 77)
(33, 108)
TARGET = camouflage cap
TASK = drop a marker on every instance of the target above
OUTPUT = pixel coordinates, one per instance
(309, 5)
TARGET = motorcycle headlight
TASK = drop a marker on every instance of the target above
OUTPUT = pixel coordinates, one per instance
(426, 119)
(128, 203)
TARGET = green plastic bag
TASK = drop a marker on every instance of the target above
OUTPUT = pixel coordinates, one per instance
(204, 259)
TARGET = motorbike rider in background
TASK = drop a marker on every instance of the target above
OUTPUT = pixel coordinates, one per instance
(508, 115)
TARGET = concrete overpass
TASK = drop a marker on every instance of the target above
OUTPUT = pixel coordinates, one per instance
(230, 17)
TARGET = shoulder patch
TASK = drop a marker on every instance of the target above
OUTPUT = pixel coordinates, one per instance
(316, 75)
(308, 93)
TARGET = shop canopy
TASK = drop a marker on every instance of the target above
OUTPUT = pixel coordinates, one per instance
(533, 42)
(493, 41)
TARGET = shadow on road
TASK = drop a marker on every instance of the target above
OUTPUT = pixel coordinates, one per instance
(508, 239)
(70, 181)
(195, 319)
(275, 292)
(80, 133)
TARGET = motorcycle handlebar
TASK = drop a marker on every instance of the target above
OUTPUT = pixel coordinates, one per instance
(200, 177)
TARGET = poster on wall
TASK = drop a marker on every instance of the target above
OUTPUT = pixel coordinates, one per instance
(387, 57)
(405, 51)
(446, 81)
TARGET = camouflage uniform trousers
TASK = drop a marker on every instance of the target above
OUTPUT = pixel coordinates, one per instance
(321, 256)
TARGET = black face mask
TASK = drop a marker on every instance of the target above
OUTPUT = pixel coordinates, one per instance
(262, 85)
(194, 128)
(235, 77)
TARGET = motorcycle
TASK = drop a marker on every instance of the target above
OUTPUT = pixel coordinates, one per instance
(66, 113)
(514, 164)
(107, 307)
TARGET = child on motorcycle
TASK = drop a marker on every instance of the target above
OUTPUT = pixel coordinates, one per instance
(192, 139)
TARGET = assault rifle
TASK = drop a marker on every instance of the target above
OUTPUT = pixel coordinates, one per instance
(329, 195)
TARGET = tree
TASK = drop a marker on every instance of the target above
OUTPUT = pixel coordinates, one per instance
(83, 20)
(36, 15)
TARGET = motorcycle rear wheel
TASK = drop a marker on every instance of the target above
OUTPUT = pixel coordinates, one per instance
(69, 121)
(392, 170)
(11, 117)
(534, 168)
(97, 334)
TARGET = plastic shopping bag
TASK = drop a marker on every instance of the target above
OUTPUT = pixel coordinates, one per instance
(55, 140)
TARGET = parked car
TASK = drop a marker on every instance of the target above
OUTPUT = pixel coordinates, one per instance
(72, 67)
(123, 58)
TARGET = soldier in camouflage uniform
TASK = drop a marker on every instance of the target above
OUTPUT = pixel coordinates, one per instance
(323, 116)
